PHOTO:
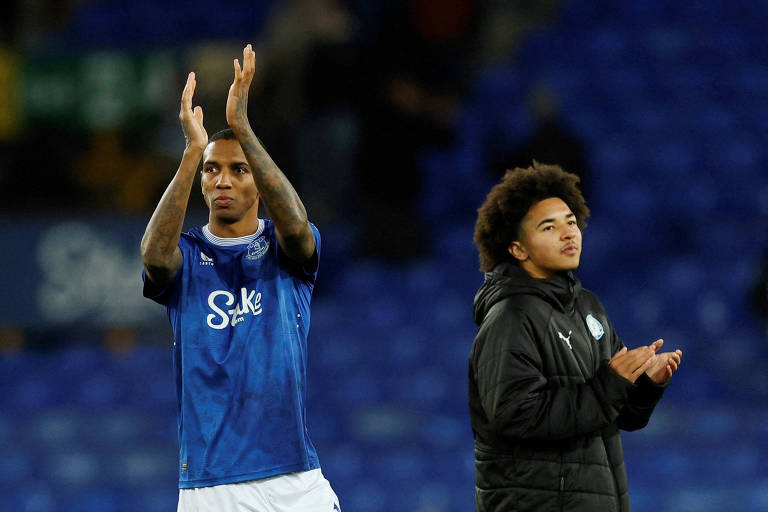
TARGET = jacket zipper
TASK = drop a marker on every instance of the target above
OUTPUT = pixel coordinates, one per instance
(562, 483)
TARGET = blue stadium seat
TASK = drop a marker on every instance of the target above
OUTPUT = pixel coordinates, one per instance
(114, 428)
(75, 468)
(100, 388)
(368, 494)
(33, 496)
(53, 428)
(99, 499)
(756, 495)
(144, 466)
(161, 499)
(423, 390)
(694, 497)
(16, 465)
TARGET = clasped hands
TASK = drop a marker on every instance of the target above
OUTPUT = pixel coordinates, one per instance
(631, 364)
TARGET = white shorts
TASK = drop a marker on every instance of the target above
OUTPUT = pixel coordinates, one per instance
(304, 491)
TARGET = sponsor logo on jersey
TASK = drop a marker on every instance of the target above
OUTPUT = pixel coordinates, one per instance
(595, 327)
(566, 339)
(205, 260)
(223, 315)
(257, 248)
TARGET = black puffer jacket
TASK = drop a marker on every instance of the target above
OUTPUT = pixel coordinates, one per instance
(545, 406)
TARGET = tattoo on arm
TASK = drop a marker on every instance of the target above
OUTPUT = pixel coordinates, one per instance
(164, 227)
(280, 199)
(277, 192)
(159, 245)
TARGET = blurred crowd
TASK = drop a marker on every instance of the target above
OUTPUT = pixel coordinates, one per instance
(347, 96)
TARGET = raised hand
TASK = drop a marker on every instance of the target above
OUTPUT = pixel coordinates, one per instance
(237, 101)
(192, 119)
(664, 365)
(631, 364)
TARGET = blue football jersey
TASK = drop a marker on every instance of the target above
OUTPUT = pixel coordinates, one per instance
(239, 309)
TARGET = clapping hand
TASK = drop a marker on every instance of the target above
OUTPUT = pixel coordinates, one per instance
(237, 101)
(664, 364)
(631, 364)
(192, 119)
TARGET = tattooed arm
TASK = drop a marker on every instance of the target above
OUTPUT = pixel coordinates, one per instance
(277, 194)
(160, 251)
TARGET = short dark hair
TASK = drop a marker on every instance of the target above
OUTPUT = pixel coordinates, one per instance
(225, 134)
(500, 216)
(228, 134)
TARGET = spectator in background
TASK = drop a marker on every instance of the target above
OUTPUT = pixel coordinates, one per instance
(415, 70)
(305, 99)
(327, 139)
(56, 188)
(25, 24)
(759, 294)
(11, 340)
(114, 176)
(504, 24)
(551, 142)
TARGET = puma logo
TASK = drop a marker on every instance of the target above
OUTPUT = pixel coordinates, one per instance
(567, 339)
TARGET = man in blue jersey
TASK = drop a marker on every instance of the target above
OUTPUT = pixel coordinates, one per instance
(237, 292)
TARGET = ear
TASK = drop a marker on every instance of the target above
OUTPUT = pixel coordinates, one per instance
(517, 250)
(202, 190)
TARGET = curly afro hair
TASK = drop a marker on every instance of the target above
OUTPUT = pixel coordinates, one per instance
(500, 216)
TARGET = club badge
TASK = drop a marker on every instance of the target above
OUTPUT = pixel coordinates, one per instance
(257, 248)
(595, 327)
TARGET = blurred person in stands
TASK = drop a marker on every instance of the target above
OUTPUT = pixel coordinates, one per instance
(550, 142)
(504, 25)
(759, 291)
(237, 291)
(414, 75)
(550, 381)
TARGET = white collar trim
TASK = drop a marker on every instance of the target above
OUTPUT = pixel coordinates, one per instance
(229, 242)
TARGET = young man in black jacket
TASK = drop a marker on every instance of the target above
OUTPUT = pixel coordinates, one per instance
(550, 382)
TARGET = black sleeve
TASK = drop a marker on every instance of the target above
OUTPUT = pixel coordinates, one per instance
(643, 396)
(518, 399)
(642, 401)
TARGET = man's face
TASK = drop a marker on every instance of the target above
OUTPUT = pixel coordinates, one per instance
(227, 182)
(550, 241)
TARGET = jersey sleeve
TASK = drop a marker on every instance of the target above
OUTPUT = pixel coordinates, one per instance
(308, 269)
(162, 294)
(159, 294)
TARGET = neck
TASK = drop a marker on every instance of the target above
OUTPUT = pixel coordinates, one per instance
(246, 226)
(534, 271)
(539, 273)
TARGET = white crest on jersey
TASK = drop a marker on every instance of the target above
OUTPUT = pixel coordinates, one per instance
(250, 301)
(257, 248)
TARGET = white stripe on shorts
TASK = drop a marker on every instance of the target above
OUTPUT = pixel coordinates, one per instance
(304, 491)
